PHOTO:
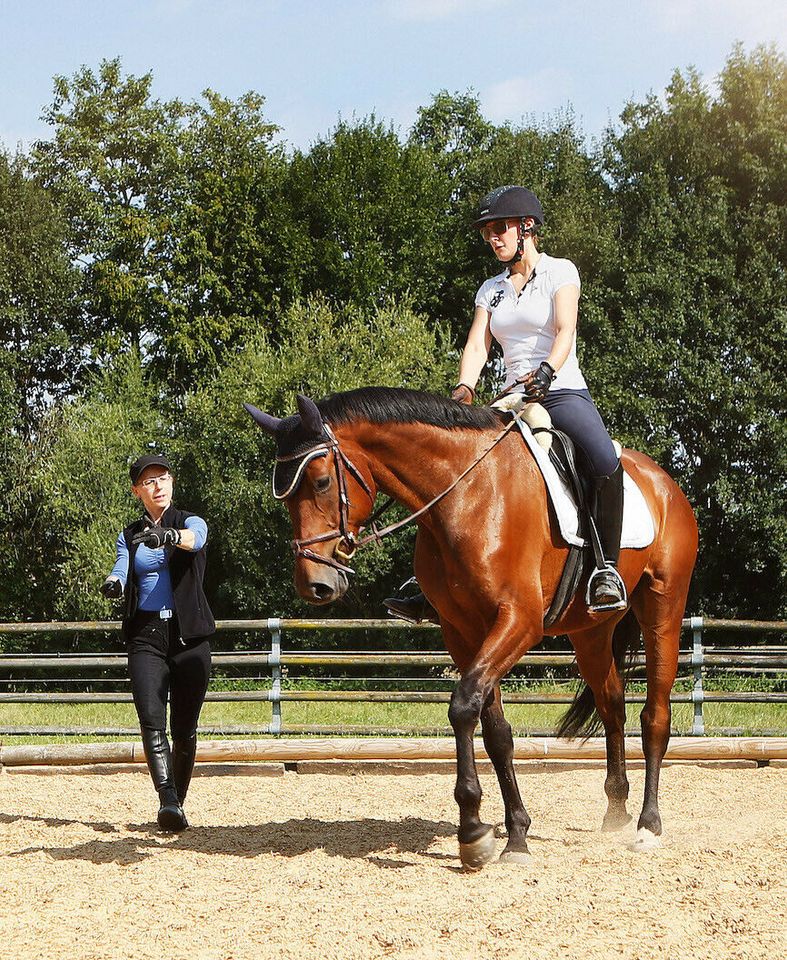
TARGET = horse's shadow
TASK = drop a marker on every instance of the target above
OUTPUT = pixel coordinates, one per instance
(374, 840)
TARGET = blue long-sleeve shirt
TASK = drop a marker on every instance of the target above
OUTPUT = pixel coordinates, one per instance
(151, 568)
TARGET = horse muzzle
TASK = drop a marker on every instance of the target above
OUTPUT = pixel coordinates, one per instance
(320, 585)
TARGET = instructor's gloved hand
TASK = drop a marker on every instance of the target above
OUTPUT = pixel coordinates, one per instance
(155, 537)
(112, 588)
(536, 384)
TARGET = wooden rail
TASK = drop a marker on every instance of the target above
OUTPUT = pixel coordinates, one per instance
(764, 659)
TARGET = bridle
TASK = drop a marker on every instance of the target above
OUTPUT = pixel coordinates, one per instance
(346, 542)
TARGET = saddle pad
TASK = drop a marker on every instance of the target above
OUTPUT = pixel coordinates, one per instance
(638, 527)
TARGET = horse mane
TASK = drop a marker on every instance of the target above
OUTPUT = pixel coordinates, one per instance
(397, 405)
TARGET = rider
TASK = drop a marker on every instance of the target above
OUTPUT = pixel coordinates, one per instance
(531, 310)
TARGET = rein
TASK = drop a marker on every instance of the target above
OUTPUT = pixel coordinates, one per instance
(347, 544)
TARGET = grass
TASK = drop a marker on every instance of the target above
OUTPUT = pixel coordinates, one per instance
(746, 718)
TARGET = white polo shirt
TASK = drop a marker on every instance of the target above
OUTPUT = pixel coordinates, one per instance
(524, 325)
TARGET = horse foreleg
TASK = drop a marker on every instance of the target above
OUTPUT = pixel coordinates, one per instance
(499, 744)
(476, 839)
(501, 649)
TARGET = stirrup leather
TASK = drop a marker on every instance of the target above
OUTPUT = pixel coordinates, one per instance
(609, 570)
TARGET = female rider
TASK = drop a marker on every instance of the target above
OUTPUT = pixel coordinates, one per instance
(530, 308)
(167, 621)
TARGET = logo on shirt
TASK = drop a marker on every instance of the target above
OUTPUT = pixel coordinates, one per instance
(496, 299)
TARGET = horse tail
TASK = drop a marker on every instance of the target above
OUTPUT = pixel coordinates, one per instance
(581, 718)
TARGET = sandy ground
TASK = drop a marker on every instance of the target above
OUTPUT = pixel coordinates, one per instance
(365, 866)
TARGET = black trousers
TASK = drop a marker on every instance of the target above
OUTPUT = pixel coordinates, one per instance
(161, 665)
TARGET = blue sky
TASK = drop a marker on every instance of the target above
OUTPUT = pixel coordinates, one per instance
(316, 61)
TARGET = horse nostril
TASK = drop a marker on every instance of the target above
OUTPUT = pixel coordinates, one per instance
(322, 591)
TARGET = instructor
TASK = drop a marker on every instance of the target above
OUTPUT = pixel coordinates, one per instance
(166, 624)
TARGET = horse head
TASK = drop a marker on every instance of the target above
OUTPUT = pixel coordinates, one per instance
(327, 496)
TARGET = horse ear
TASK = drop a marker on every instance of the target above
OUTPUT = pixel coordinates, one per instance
(271, 425)
(311, 418)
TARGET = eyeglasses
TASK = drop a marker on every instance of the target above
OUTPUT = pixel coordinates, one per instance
(494, 228)
(154, 481)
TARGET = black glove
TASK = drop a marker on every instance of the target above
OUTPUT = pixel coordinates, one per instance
(112, 588)
(154, 537)
(462, 393)
(536, 384)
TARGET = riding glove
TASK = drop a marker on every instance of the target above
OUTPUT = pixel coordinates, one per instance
(155, 537)
(112, 588)
(536, 384)
(462, 393)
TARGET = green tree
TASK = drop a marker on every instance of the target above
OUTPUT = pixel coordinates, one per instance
(227, 463)
(698, 315)
(172, 215)
(40, 336)
(77, 493)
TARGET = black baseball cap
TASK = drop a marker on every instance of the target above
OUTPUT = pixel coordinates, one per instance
(149, 460)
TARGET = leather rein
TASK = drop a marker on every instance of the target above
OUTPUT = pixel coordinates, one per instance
(347, 543)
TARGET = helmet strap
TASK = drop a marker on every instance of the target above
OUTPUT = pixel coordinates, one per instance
(522, 232)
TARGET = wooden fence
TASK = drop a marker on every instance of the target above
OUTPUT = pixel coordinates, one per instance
(22, 676)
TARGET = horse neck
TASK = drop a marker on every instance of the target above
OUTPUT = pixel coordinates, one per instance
(413, 462)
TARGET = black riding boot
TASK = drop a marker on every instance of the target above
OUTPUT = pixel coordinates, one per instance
(412, 606)
(607, 590)
(170, 815)
(184, 752)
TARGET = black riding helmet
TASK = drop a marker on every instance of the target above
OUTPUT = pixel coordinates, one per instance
(511, 203)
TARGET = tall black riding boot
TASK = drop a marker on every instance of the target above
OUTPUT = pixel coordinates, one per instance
(184, 752)
(170, 815)
(412, 605)
(607, 590)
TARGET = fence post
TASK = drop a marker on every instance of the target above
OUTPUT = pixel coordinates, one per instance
(274, 626)
(697, 693)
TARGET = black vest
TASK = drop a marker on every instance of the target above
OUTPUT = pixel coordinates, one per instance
(186, 571)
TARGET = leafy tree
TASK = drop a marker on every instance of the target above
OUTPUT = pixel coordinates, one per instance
(371, 214)
(699, 313)
(172, 215)
(77, 492)
(40, 337)
(227, 463)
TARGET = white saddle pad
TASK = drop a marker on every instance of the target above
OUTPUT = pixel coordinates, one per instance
(638, 526)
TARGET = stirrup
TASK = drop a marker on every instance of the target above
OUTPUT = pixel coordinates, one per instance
(614, 604)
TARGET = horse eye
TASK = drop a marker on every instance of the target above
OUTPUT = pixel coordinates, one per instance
(321, 484)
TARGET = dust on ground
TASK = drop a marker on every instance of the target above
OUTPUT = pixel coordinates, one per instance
(328, 866)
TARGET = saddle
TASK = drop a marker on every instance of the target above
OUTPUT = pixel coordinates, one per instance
(562, 454)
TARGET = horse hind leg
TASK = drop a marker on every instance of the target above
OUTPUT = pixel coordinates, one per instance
(601, 655)
(499, 744)
(660, 619)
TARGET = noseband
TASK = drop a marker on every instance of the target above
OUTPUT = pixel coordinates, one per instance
(346, 544)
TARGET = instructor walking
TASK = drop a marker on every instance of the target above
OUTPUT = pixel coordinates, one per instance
(166, 623)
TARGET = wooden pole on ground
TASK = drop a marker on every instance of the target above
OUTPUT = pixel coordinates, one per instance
(384, 748)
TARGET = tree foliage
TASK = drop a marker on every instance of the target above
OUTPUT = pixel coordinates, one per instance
(162, 261)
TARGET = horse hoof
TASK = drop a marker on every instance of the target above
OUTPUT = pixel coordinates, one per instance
(521, 857)
(477, 854)
(645, 840)
(616, 821)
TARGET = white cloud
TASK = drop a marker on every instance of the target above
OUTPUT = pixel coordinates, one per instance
(766, 19)
(423, 10)
(514, 98)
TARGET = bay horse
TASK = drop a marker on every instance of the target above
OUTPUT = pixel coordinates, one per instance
(489, 559)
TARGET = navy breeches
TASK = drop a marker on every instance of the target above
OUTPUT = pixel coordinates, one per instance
(159, 664)
(574, 412)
